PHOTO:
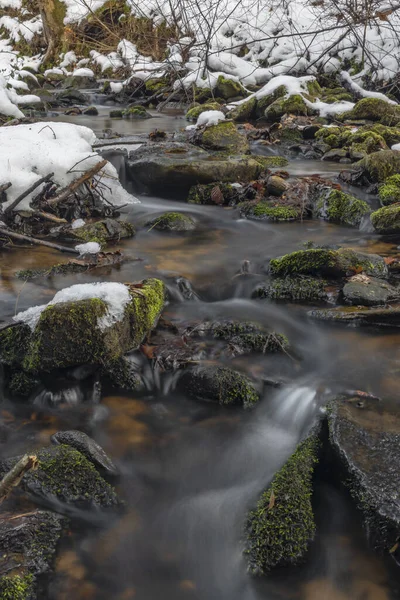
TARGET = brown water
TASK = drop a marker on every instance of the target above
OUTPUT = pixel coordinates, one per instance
(190, 471)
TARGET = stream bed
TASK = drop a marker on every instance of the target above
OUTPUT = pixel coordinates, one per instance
(190, 471)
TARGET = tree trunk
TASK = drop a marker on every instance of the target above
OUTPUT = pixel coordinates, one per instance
(52, 13)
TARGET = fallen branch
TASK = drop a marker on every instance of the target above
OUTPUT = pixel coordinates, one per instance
(33, 187)
(70, 189)
(32, 240)
(49, 217)
(14, 476)
(5, 187)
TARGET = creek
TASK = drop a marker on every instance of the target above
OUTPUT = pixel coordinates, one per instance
(190, 471)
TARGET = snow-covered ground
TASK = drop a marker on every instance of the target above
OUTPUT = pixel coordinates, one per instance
(33, 151)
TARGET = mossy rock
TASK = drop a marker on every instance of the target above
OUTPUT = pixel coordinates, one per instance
(293, 289)
(329, 263)
(244, 111)
(16, 587)
(372, 109)
(391, 135)
(271, 162)
(378, 166)
(264, 211)
(224, 194)
(120, 374)
(282, 526)
(172, 221)
(102, 232)
(68, 334)
(219, 384)
(70, 97)
(342, 208)
(249, 337)
(68, 476)
(389, 192)
(136, 112)
(292, 105)
(79, 83)
(116, 114)
(224, 136)
(194, 113)
(156, 85)
(228, 88)
(386, 219)
(21, 384)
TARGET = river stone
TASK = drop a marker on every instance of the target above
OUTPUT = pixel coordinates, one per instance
(222, 385)
(245, 336)
(217, 192)
(224, 136)
(386, 219)
(378, 166)
(70, 97)
(102, 231)
(328, 263)
(172, 221)
(88, 447)
(365, 437)
(335, 155)
(79, 82)
(170, 170)
(369, 291)
(353, 315)
(293, 289)
(276, 186)
(339, 207)
(91, 111)
(281, 527)
(28, 544)
(65, 476)
(67, 334)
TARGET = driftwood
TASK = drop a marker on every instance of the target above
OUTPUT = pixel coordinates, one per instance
(70, 189)
(32, 240)
(14, 476)
(24, 194)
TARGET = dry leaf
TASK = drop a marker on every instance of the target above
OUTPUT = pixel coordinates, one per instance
(216, 195)
(271, 501)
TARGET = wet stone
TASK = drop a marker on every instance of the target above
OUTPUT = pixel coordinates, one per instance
(88, 447)
(369, 291)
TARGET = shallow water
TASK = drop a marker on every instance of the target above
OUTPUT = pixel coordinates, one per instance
(190, 471)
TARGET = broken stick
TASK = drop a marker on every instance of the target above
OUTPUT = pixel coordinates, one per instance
(24, 194)
(70, 189)
(14, 476)
(32, 240)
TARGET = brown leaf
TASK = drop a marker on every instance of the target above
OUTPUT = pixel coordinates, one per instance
(271, 501)
(148, 350)
(389, 260)
(216, 195)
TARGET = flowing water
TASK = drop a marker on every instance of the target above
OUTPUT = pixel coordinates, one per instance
(190, 471)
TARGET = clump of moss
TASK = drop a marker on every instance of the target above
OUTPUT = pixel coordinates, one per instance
(228, 88)
(136, 112)
(102, 231)
(245, 111)
(339, 207)
(14, 343)
(303, 262)
(293, 289)
(378, 166)
(389, 192)
(194, 113)
(249, 337)
(386, 219)
(282, 525)
(16, 587)
(391, 135)
(22, 384)
(372, 109)
(156, 85)
(271, 162)
(292, 105)
(228, 194)
(224, 136)
(264, 211)
(69, 476)
(172, 221)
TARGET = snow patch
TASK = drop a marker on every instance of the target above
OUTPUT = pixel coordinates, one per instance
(88, 248)
(83, 72)
(77, 223)
(115, 295)
(210, 117)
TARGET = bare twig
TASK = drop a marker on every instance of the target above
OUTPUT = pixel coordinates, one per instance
(70, 189)
(32, 240)
(15, 475)
(24, 194)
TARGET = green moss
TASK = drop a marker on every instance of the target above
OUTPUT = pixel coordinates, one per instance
(303, 262)
(378, 166)
(248, 337)
(314, 89)
(69, 476)
(202, 194)
(101, 232)
(282, 525)
(224, 136)
(245, 111)
(194, 113)
(228, 88)
(293, 289)
(146, 306)
(387, 219)
(292, 105)
(391, 135)
(22, 384)
(389, 192)
(372, 109)
(116, 114)
(264, 211)
(342, 208)
(135, 112)
(156, 85)
(271, 162)
(121, 375)
(222, 385)
(172, 221)
(14, 343)
(16, 587)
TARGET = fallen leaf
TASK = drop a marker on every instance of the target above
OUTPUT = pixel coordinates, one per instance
(271, 501)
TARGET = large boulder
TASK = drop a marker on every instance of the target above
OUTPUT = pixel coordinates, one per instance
(374, 109)
(108, 321)
(365, 438)
(328, 263)
(170, 170)
(281, 527)
(378, 166)
(292, 105)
